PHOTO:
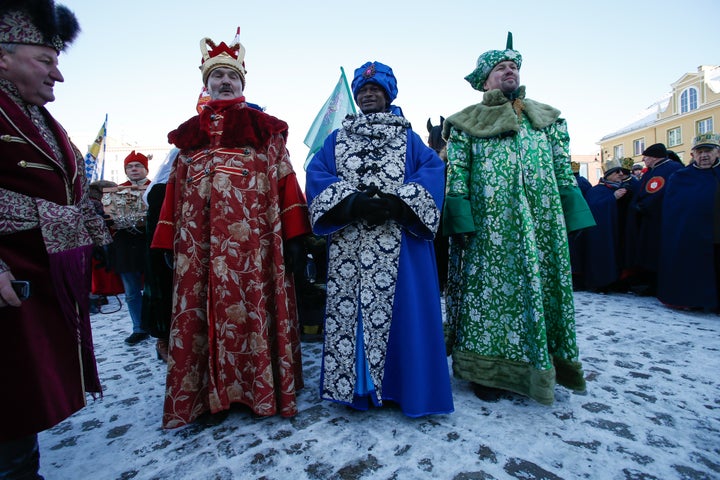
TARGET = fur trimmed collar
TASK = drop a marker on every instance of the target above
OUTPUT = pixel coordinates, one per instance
(241, 126)
(495, 116)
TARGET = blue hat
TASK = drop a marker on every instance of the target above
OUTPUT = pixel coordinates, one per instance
(378, 73)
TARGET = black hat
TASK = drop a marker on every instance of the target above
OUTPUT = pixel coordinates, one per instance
(673, 156)
(37, 22)
(657, 150)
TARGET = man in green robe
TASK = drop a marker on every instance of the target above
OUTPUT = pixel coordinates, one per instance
(511, 201)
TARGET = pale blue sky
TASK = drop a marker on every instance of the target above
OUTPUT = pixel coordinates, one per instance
(600, 63)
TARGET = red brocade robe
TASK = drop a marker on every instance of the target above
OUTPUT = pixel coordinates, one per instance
(232, 199)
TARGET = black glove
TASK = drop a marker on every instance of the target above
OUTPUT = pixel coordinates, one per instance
(461, 239)
(295, 255)
(374, 210)
(169, 259)
(397, 208)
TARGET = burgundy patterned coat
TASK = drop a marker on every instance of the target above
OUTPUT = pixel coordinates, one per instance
(46, 363)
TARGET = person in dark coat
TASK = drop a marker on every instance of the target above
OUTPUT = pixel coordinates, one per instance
(574, 241)
(48, 227)
(127, 253)
(690, 244)
(643, 220)
(603, 244)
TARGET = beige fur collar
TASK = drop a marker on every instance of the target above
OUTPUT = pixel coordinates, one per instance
(495, 116)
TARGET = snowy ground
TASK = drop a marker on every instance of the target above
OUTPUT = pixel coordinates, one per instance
(652, 411)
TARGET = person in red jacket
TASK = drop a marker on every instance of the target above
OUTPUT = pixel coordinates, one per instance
(234, 217)
(47, 230)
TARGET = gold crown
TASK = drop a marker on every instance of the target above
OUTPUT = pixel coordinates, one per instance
(232, 56)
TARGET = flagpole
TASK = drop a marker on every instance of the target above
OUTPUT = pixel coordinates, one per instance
(352, 104)
(102, 171)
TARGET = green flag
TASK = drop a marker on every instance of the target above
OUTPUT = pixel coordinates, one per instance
(330, 116)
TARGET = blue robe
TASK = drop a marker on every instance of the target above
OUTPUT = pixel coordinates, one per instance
(688, 266)
(602, 245)
(415, 374)
(644, 217)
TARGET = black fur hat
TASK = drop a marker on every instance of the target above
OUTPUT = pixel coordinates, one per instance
(37, 22)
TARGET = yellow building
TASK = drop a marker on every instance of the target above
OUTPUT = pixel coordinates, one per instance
(691, 108)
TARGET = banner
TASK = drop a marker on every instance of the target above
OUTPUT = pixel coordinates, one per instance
(91, 157)
(330, 116)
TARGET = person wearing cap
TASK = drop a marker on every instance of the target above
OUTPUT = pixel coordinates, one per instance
(603, 245)
(689, 264)
(234, 217)
(643, 232)
(375, 190)
(637, 171)
(127, 252)
(48, 227)
(511, 201)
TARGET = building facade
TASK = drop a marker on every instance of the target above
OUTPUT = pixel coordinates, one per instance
(691, 108)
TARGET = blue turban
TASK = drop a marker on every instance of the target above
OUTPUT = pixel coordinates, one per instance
(378, 73)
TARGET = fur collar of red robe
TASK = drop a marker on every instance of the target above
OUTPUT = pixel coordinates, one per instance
(242, 126)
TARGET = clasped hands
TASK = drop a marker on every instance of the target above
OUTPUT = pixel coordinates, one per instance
(376, 207)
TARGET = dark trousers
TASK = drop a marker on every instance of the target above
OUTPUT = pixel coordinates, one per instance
(20, 459)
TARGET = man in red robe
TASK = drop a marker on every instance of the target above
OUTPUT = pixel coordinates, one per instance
(47, 229)
(233, 210)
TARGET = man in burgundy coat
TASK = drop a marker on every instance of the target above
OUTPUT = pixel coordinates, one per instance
(47, 229)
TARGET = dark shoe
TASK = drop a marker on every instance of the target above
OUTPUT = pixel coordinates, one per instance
(489, 394)
(136, 337)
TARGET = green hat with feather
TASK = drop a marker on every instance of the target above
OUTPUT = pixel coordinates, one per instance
(487, 61)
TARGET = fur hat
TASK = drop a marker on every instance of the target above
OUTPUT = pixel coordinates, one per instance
(223, 55)
(487, 61)
(656, 150)
(37, 22)
(612, 166)
(379, 74)
(136, 157)
(709, 140)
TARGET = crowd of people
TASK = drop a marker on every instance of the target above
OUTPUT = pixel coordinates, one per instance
(212, 267)
(656, 233)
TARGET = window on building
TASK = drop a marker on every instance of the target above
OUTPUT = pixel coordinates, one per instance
(674, 137)
(618, 151)
(688, 100)
(704, 126)
(598, 173)
(638, 146)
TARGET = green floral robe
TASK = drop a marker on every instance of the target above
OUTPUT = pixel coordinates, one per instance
(510, 189)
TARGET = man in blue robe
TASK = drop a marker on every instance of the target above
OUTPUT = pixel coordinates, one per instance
(375, 190)
(689, 254)
(603, 244)
(643, 220)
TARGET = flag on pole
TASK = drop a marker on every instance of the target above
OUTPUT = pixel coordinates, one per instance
(91, 157)
(330, 116)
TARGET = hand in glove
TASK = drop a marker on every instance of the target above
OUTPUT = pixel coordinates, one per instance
(398, 210)
(295, 255)
(373, 210)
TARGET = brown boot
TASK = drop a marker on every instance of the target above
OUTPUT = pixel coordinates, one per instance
(162, 349)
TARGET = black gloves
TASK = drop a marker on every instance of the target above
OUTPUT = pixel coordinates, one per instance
(371, 205)
(379, 208)
(295, 255)
(373, 210)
